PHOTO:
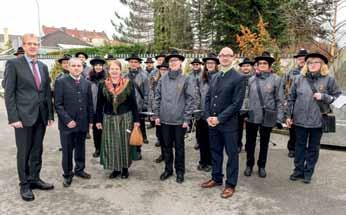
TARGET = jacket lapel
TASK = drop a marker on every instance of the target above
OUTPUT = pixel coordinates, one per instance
(42, 74)
(27, 71)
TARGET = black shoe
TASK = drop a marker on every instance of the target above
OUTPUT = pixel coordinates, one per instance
(125, 173)
(165, 175)
(67, 181)
(60, 149)
(262, 172)
(200, 167)
(114, 174)
(307, 180)
(26, 193)
(41, 185)
(83, 175)
(138, 157)
(88, 136)
(248, 171)
(157, 144)
(196, 147)
(180, 178)
(159, 159)
(96, 154)
(295, 176)
(146, 141)
(207, 168)
(291, 154)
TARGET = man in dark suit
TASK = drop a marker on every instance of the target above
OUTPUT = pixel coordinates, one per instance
(74, 105)
(223, 102)
(29, 108)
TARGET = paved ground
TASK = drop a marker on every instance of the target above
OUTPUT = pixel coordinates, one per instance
(143, 193)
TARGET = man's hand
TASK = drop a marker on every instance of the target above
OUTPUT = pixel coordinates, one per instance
(157, 122)
(211, 121)
(50, 123)
(136, 124)
(18, 124)
(289, 122)
(72, 124)
(185, 125)
(99, 126)
(318, 96)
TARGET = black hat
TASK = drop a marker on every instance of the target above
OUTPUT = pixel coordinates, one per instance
(134, 57)
(265, 56)
(196, 60)
(162, 54)
(211, 56)
(65, 57)
(97, 60)
(301, 53)
(149, 60)
(165, 64)
(317, 55)
(176, 54)
(110, 57)
(246, 61)
(20, 50)
(81, 53)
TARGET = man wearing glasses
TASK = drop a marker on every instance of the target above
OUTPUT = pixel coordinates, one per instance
(29, 108)
(223, 102)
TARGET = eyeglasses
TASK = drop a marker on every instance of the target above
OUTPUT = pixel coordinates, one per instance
(313, 62)
(225, 55)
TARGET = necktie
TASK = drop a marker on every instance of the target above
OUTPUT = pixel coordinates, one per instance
(77, 82)
(36, 75)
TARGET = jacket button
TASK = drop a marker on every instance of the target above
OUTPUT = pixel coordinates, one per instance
(80, 108)
(215, 96)
(214, 105)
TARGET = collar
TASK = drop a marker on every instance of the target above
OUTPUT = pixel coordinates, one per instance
(74, 78)
(225, 69)
(29, 59)
(263, 75)
(173, 74)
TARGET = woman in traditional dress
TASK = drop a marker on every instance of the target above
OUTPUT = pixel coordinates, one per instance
(116, 114)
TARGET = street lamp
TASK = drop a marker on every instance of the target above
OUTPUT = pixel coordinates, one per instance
(39, 22)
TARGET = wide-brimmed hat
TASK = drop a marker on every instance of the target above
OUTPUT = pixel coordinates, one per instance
(266, 57)
(196, 60)
(20, 50)
(246, 61)
(149, 60)
(134, 56)
(82, 53)
(211, 56)
(175, 53)
(162, 54)
(317, 55)
(65, 57)
(97, 60)
(110, 57)
(301, 53)
(163, 65)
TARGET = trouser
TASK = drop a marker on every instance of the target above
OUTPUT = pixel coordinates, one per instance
(97, 136)
(251, 135)
(222, 137)
(307, 150)
(174, 134)
(160, 139)
(73, 142)
(202, 133)
(292, 139)
(29, 142)
(241, 129)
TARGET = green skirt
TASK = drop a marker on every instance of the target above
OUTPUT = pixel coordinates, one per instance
(116, 153)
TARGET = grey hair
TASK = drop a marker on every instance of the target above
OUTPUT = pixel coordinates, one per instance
(28, 35)
(74, 59)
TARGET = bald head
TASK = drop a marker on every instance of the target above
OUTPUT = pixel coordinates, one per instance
(226, 56)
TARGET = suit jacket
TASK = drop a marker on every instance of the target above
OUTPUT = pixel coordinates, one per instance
(73, 102)
(24, 102)
(225, 97)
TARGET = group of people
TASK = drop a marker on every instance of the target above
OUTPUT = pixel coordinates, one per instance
(221, 100)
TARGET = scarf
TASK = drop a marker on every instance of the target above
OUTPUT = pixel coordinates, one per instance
(117, 93)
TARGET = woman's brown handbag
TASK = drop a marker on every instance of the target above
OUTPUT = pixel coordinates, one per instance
(136, 138)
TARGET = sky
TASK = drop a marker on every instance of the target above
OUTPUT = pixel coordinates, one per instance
(20, 16)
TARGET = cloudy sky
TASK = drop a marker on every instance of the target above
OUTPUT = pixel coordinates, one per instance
(20, 16)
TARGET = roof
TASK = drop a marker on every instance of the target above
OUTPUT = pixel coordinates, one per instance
(84, 35)
(57, 38)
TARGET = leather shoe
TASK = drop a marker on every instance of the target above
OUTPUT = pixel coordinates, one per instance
(307, 180)
(96, 154)
(157, 144)
(146, 141)
(165, 175)
(67, 181)
(210, 183)
(295, 176)
(262, 172)
(41, 185)
(291, 154)
(83, 175)
(159, 159)
(180, 178)
(114, 174)
(227, 192)
(248, 171)
(125, 173)
(26, 193)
